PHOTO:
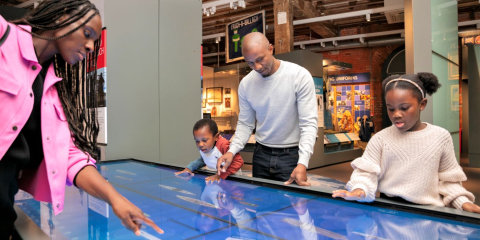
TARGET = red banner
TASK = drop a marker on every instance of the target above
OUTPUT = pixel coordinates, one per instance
(102, 53)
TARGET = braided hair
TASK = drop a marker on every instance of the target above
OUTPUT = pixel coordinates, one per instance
(77, 89)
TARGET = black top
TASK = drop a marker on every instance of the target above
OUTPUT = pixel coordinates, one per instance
(27, 150)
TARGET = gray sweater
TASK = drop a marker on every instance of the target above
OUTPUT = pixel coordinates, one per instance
(285, 108)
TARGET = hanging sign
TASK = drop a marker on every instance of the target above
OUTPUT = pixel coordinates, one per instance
(236, 31)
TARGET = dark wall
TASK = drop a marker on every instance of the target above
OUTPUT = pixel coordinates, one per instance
(474, 109)
(12, 13)
(311, 61)
(465, 116)
(393, 65)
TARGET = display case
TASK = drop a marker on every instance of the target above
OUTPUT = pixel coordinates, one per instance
(220, 94)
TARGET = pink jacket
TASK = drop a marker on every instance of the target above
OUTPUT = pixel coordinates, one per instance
(18, 69)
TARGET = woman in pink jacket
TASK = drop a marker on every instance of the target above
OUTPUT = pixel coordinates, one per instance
(47, 135)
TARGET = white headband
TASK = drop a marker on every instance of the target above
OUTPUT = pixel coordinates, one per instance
(407, 80)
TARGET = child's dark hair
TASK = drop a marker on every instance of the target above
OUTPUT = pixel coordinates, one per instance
(428, 82)
(212, 125)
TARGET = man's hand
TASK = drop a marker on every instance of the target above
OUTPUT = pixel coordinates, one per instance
(299, 175)
(212, 179)
(224, 201)
(470, 207)
(223, 162)
(356, 194)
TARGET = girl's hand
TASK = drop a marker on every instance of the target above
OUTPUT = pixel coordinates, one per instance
(131, 216)
(213, 178)
(470, 207)
(356, 194)
(186, 170)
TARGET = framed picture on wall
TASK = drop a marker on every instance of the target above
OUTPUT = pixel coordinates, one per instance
(227, 102)
(454, 98)
(215, 95)
(227, 90)
(204, 103)
(453, 69)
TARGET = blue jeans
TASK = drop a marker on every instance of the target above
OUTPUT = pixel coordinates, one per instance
(274, 163)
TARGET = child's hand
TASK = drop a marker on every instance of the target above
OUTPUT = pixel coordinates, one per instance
(131, 216)
(356, 194)
(186, 170)
(213, 178)
(470, 207)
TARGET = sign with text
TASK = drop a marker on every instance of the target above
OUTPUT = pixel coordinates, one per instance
(236, 31)
(350, 78)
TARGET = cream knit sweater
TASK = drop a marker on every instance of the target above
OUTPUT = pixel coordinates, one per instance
(418, 166)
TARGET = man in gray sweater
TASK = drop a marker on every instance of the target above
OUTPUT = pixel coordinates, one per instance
(280, 97)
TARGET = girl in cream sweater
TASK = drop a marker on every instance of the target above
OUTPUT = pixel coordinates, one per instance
(412, 160)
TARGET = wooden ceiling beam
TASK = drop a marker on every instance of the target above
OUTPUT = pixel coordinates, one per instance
(308, 10)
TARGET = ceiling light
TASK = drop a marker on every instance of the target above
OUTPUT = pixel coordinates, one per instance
(322, 44)
(302, 46)
(241, 3)
(334, 43)
(362, 40)
(368, 17)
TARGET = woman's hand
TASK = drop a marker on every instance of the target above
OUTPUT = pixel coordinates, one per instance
(356, 194)
(131, 216)
(90, 180)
